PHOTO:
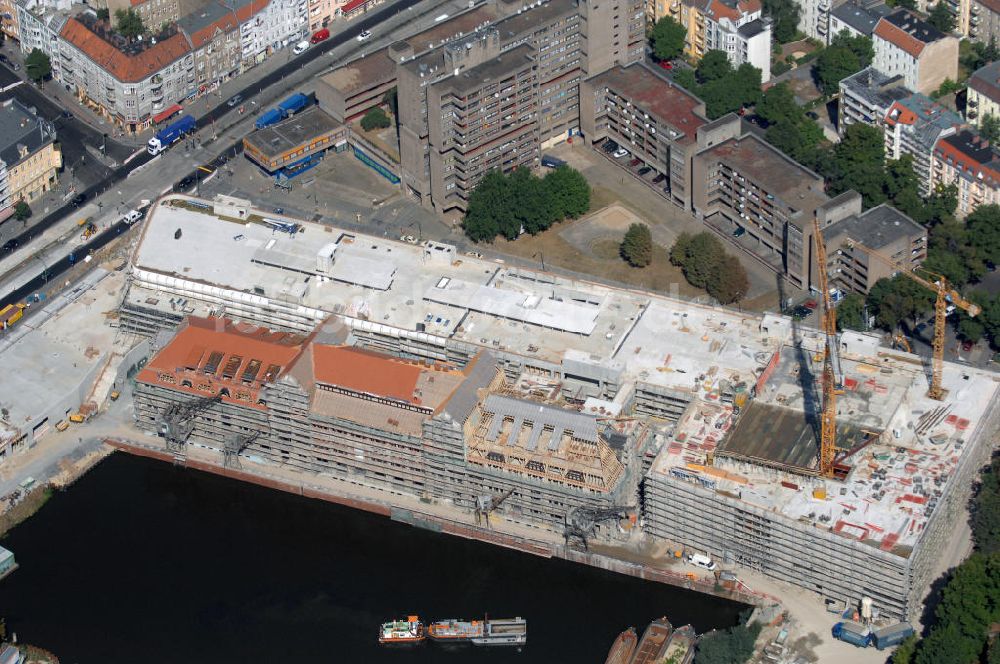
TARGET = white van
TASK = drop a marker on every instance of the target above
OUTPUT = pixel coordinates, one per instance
(300, 47)
(704, 562)
(132, 216)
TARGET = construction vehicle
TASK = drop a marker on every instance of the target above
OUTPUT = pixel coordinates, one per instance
(900, 342)
(89, 232)
(62, 425)
(946, 298)
(832, 374)
(171, 134)
(11, 314)
(489, 503)
(115, 394)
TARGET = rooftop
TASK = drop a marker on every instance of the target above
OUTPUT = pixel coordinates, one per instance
(862, 19)
(875, 88)
(533, 18)
(879, 227)
(301, 128)
(19, 128)
(668, 103)
(486, 72)
(907, 31)
(971, 154)
(753, 28)
(125, 67)
(986, 81)
(792, 185)
(731, 9)
(201, 25)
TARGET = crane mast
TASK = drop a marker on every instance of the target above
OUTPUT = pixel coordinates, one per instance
(831, 362)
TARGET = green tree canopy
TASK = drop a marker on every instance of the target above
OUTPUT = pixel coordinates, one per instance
(858, 162)
(896, 299)
(666, 39)
(21, 211)
(637, 246)
(941, 17)
(844, 56)
(789, 129)
(569, 192)
(705, 264)
(129, 23)
(729, 283)
(785, 14)
(983, 231)
(38, 65)
(375, 118)
(851, 313)
(713, 66)
(986, 510)
(723, 89)
(990, 128)
(730, 646)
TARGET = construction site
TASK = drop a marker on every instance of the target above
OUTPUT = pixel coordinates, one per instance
(818, 458)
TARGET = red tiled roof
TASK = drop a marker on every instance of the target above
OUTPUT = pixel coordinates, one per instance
(219, 353)
(720, 9)
(965, 162)
(125, 68)
(251, 8)
(901, 114)
(901, 38)
(366, 372)
(227, 23)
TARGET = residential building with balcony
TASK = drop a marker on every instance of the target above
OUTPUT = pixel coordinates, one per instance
(982, 97)
(29, 157)
(655, 120)
(984, 21)
(923, 55)
(972, 164)
(446, 145)
(867, 96)
(736, 27)
(814, 18)
(38, 26)
(856, 18)
(213, 35)
(884, 229)
(913, 126)
(745, 183)
(126, 82)
(267, 26)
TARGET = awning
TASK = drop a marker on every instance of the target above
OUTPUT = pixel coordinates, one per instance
(173, 110)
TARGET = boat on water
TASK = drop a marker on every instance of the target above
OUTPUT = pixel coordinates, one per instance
(487, 632)
(623, 647)
(410, 630)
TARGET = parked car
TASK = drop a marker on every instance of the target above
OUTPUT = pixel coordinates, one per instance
(364, 36)
(79, 199)
(739, 232)
(300, 48)
(609, 146)
(319, 36)
(279, 210)
(235, 99)
(967, 345)
(4, 59)
(810, 304)
(620, 152)
(659, 178)
(702, 561)
(644, 170)
(552, 162)
(635, 162)
(11, 244)
(665, 64)
(184, 184)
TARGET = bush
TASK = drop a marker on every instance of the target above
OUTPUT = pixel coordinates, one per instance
(780, 67)
(637, 247)
(375, 119)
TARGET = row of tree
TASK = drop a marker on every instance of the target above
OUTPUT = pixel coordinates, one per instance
(520, 201)
(722, 88)
(970, 600)
(705, 264)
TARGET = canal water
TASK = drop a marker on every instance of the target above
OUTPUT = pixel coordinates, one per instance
(143, 562)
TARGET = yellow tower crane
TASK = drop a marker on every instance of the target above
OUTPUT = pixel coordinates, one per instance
(945, 295)
(831, 362)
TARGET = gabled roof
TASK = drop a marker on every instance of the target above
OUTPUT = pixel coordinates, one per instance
(972, 155)
(203, 24)
(986, 81)
(122, 66)
(731, 9)
(18, 127)
(907, 31)
(858, 17)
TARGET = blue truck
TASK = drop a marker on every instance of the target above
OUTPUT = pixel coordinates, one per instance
(290, 106)
(171, 134)
(852, 633)
(893, 635)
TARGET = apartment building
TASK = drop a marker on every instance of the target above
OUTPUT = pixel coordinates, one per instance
(969, 162)
(866, 97)
(907, 45)
(883, 228)
(856, 18)
(814, 18)
(29, 158)
(154, 13)
(736, 27)
(213, 34)
(913, 126)
(654, 120)
(764, 201)
(267, 26)
(38, 26)
(984, 21)
(515, 90)
(983, 94)
(126, 82)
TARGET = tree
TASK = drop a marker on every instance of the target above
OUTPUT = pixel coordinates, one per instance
(941, 17)
(38, 65)
(21, 211)
(990, 128)
(731, 646)
(985, 518)
(637, 247)
(487, 209)
(667, 38)
(698, 256)
(375, 118)
(899, 298)
(103, 14)
(983, 231)
(391, 100)
(569, 192)
(904, 653)
(832, 66)
(858, 162)
(851, 313)
(534, 209)
(859, 45)
(713, 66)
(729, 282)
(789, 129)
(786, 18)
(129, 23)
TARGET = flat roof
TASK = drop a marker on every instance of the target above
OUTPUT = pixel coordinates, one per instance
(878, 227)
(490, 70)
(300, 129)
(670, 104)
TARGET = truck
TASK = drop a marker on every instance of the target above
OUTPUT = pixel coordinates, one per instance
(852, 633)
(293, 104)
(10, 315)
(269, 118)
(893, 635)
(171, 134)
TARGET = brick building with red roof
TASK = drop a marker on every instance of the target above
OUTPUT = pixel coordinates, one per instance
(908, 46)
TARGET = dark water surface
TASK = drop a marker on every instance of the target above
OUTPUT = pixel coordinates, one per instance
(142, 562)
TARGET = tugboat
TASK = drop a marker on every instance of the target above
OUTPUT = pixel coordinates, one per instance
(406, 631)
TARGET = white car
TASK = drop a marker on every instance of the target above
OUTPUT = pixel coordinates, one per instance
(300, 48)
(364, 36)
(619, 153)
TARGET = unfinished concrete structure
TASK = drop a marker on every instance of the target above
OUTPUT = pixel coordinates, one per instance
(714, 408)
